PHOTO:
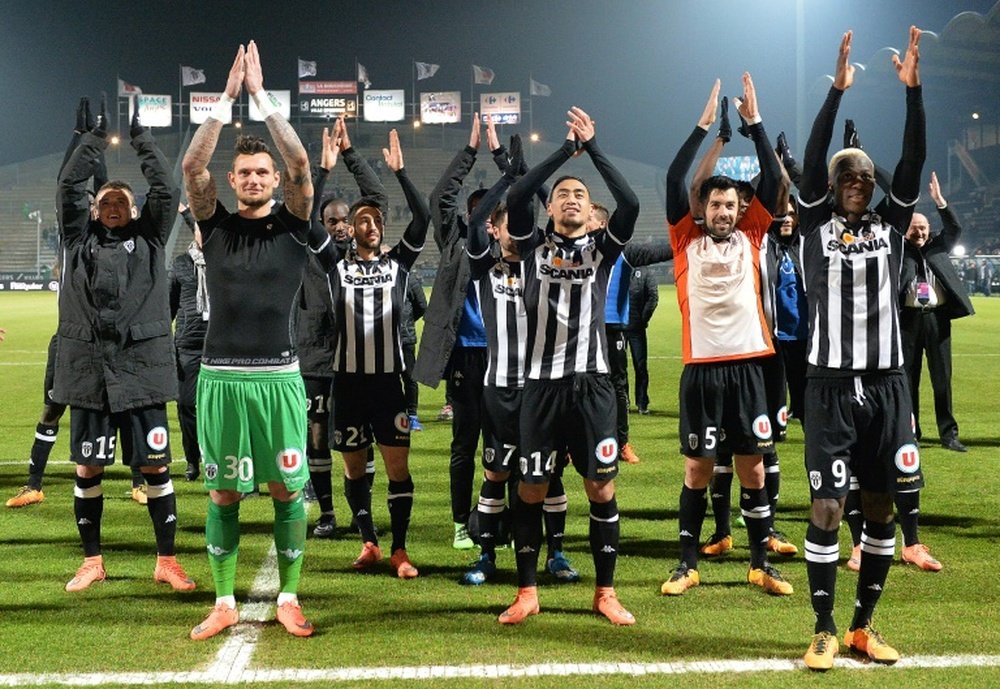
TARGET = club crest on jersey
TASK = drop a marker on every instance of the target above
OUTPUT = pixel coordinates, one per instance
(815, 480)
(129, 245)
(211, 471)
(908, 459)
(289, 460)
(87, 449)
(783, 416)
(607, 451)
(157, 438)
(402, 422)
(489, 454)
(762, 427)
(693, 441)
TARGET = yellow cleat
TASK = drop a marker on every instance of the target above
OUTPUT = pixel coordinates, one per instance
(680, 581)
(867, 641)
(822, 649)
(26, 495)
(91, 571)
(717, 545)
(770, 579)
(778, 543)
(139, 494)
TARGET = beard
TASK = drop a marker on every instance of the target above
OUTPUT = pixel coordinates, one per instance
(255, 201)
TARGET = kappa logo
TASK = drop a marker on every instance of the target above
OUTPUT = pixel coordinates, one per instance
(820, 593)
(525, 550)
(693, 441)
(815, 480)
(291, 554)
(157, 439)
(607, 451)
(875, 587)
(170, 518)
(762, 427)
(685, 532)
(211, 471)
(362, 512)
(289, 460)
(783, 416)
(216, 550)
(608, 549)
(87, 449)
(84, 522)
(402, 422)
(908, 459)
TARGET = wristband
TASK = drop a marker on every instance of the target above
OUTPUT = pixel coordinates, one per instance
(223, 110)
(265, 103)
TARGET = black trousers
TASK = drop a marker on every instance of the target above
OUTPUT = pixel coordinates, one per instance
(409, 385)
(639, 347)
(618, 369)
(464, 387)
(793, 356)
(929, 331)
(188, 366)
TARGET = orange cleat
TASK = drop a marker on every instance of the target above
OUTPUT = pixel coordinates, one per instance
(221, 617)
(90, 571)
(918, 554)
(290, 615)
(400, 562)
(524, 605)
(370, 554)
(868, 642)
(169, 571)
(26, 495)
(606, 603)
(628, 454)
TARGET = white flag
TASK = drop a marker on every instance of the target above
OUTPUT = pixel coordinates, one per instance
(127, 89)
(483, 75)
(539, 89)
(307, 68)
(363, 76)
(191, 76)
(425, 70)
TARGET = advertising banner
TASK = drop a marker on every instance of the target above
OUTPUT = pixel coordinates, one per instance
(154, 111)
(202, 105)
(284, 98)
(443, 107)
(505, 108)
(384, 105)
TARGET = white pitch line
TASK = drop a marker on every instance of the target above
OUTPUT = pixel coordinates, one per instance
(436, 672)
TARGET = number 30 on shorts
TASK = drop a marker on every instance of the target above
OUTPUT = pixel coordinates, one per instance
(238, 468)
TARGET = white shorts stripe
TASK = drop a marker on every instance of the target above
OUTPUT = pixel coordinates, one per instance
(153, 492)
(92, 492)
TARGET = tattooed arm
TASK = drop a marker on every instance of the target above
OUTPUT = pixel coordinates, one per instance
(298, 186)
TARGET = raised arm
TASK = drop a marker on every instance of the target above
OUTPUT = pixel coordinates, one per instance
(371, 187)
(814, 182)
(770, 186)
(677, 194)
(415, 233)
(478, 245)
(160, 210)
(706, 167)
(952, 230)
(298, 187)
(519, 219)
(638, 254)
(198, 183)
(444, 196)
(72, 200)
(906, 178)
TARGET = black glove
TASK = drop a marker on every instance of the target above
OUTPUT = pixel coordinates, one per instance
(100, 127)
(84, 120)
(744, 128)
(135, 128)
(783, 151)
(515, 156)
(725, 128)
(851, 138)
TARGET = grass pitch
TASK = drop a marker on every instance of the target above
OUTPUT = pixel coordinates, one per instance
(128, 623)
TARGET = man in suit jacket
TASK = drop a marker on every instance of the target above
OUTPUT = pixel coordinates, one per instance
(932, 294)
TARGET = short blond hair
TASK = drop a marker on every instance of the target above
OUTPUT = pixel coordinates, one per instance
(842, 155)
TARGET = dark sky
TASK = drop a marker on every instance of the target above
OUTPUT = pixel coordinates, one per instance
(642, 68)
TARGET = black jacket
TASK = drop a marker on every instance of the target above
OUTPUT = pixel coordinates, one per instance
(414, 307)
(189, 325)
(643, 297)
(115, 349)
(315, 312)
(935, 253)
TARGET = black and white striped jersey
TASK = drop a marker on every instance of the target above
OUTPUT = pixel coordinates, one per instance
(500, 289)
(851, 278)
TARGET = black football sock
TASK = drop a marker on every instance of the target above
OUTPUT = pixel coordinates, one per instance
(757, 515)
(162, 506)
(692, 513)
(490, 508)
(852, 512)
(359, 499)
(604, 535)
(45, 440)
(400, 503)
(908, 513)
(822, 553)
(772, 481)
(320, 474)
(722, 487)
(554, 508)
(878, 545)
(527, 541)
(88, 508)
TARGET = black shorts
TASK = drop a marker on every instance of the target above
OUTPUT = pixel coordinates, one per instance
(773, 368)
(372, 408)
(724, 402)
(574, 414)
(501, 428)
(145, 436)
(50, 373)
(860, 426)
(319, 398)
